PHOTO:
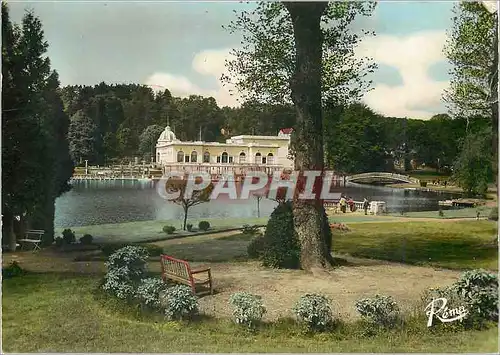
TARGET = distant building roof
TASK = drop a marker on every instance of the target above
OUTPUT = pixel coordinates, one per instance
(286, 130)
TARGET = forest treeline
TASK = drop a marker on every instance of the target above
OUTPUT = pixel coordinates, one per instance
(116, 123)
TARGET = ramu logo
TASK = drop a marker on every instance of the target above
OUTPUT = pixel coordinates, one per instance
(443, 313)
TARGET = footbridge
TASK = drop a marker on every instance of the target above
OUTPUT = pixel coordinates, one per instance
(381, 178)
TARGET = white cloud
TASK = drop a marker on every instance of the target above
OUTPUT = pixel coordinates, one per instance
(210, 63)
(412, 56)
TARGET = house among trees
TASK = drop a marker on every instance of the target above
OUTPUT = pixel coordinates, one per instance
(238, 154)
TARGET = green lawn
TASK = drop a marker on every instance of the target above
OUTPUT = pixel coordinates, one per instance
(56, 313)
(484, 211)
(455, 245)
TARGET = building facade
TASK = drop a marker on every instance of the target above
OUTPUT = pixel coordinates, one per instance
(239, 154)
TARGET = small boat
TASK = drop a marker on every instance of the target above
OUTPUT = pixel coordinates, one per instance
(447, 203)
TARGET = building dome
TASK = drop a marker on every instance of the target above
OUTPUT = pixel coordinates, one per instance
(167, 135)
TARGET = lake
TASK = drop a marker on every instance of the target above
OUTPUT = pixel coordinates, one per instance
(115, 201)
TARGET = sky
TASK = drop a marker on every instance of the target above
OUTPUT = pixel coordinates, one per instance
(182, 46)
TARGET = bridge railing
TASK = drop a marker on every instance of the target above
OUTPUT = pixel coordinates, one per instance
(394, 176)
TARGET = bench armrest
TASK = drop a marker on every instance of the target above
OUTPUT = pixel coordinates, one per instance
(200, 270)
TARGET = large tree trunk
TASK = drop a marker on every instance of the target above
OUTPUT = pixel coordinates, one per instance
(494, 106)
(8, 234)
(307, 140)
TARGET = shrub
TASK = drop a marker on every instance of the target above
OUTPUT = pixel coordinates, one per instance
(248, 309)
(12, 270)
(493, 214)
(479, 289)
(248, 229)
(169, 229)
(256, 247)
(86, 239)
(59, 241)
(313, 311)
(204, 225)
(148, 292)
(126, 267)
(189, 227)
(68, 236)
(441, 213)
(179, 303)
(423, 183)
(282, 248)
(381, 310)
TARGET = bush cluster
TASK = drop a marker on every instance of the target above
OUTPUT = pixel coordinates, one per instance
(314, 311)
(86, 239)
(179, 302)
(380, 310)
(247, 309)
(493, 214)
(12, 270)
(189, 227)
(126, 268)
(250, 230)
(280, 246)
(169, 229)
(204, 226)
(126, 279)
(68, 236)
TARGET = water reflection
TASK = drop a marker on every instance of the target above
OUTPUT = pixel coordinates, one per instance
(115, 201)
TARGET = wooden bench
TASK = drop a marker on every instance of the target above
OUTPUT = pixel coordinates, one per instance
(33, 236)
(180, 271)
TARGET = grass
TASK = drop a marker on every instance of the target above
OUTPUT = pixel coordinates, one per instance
(61, 313)
(455, 213)
(454, 245)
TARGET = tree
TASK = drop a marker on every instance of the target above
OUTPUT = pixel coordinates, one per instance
(148, 139)
(35, 163)
(81, 135)
(178, 186)
(268, 47)
(472, 49)
(354, 140)
(472, 169)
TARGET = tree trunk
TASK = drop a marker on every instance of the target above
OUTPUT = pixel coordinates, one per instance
(8, 230)
(185, 217)
(307, 138)
(494, 106)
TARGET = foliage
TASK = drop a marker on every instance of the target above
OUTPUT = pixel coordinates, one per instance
(268, 46)
(68, 236)
(247, 308)
(281, 244)
(179, 302)
(169, 229)
(479, 289)
(148, 292)
(179, 187)
(82, 136)
(126, 267)
(204, 225)
(470, 49)
(12, 270)
(148, 139)
(59, 241)
(313, 311)
(473, 168)
(381, 310)
(248, 229)
(441, 213)
(256, 247)
(493, 214)
(86, 239)
(189, 227)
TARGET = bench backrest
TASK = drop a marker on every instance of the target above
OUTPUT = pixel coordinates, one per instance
(175, 269)
(38, 233)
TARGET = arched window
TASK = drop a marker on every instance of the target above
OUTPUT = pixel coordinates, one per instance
(224, 157)
(180, 156)
(194, 156)
(258, 158)
(243, 157)
(158, 158)
(206, 157)
(270, 158)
